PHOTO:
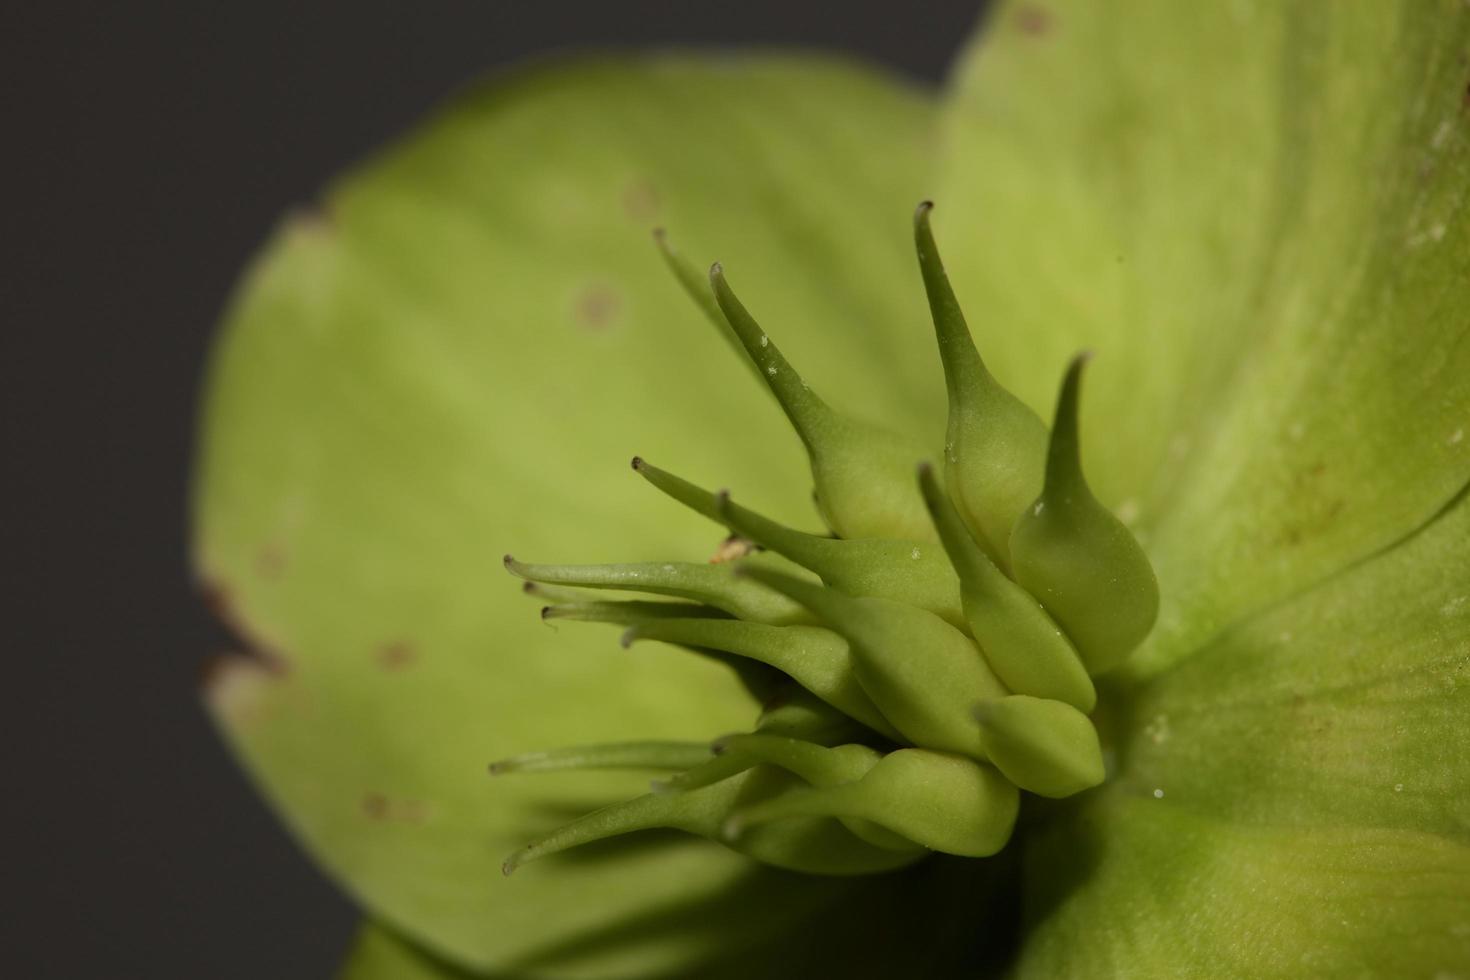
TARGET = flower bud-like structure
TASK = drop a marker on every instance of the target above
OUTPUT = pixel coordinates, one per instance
(921, 663)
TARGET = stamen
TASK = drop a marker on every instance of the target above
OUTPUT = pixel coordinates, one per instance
(629, 612)
(995, 443)
(695, 283)
(1045, 747)
(1079, 560)
(1019, 640)
(552, 594)
(697, 813)
(812, 846)
(910, 572)
(943, 802)
(816, 658)
(921, 672)
(905, 571)
(819, 765)
(612, 755)
(713, 585)
(800, 714)
(860, 471)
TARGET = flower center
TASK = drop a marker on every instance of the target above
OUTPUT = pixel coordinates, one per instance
(918, 667)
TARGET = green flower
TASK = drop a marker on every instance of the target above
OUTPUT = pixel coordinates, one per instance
(1252, 213)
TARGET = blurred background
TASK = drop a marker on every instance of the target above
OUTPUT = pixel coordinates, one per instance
(147, 150)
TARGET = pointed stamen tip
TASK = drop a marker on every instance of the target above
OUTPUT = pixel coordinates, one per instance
(513, 566)
(529, 588)
(925, 470)
(546, 612)
(716, 272)
(629, 637)
(637, 463)
(496, 768)
(922, 211)
(660, 235)
(719, 746)
(509, 865)
(1080, 359)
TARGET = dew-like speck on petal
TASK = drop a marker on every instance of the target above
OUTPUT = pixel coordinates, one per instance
(1398, 787)
(1158, 794)
(765, 341)
(915, 554)
(771, 370)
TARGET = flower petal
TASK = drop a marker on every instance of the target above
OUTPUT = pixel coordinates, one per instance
(1292, 799)
(1255, 214)
(377, 954)
(457, 357)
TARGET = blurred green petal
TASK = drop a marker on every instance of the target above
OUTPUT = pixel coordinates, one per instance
(379, 955)
(1294, 799)
(1254, 213)
(455, 357)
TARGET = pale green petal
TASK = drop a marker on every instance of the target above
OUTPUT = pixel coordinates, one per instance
(455, 357)
(1293, 800)
(379, 955)
(1255, 214)
(1175, 894)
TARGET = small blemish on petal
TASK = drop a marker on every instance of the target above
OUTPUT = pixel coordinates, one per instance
(641, 200)
(1034, 20)
(597, 306)
(396, 655)
(1158, 794)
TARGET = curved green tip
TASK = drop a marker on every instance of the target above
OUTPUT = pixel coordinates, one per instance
(1076, 557)
(994, 444)
(1022, 644)
(859, 471)
(1043, 746)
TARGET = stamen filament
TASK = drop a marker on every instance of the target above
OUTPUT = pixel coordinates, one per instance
(713, 585)
(612, 755)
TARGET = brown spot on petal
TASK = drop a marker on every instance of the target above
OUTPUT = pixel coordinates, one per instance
(375, 806)
(1034, 20)
(397, 655)
(641, 201)
(597, 305)
(379, 806)
(270, 561)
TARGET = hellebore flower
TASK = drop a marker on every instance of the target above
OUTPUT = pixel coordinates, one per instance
(1253, 214)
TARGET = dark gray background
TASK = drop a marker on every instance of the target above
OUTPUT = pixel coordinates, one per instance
(146, 149)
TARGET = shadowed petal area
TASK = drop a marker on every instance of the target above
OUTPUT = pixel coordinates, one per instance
(455, 357)
(1292, 799)
(1256, 214)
